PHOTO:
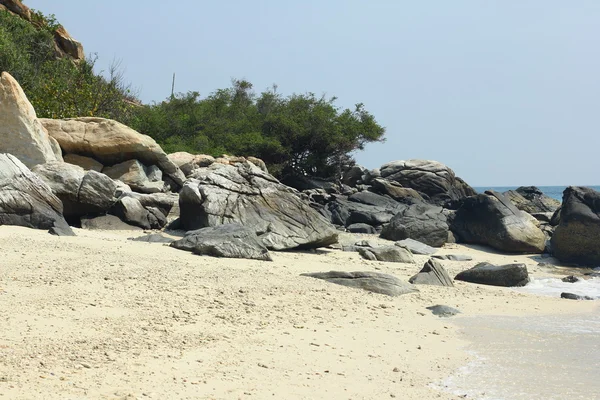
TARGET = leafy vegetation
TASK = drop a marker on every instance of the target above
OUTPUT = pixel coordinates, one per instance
(301, 134)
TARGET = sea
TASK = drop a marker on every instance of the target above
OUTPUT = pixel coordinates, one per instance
(555, 192)
(551, 357)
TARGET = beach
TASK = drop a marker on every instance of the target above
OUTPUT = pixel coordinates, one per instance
(99, 316)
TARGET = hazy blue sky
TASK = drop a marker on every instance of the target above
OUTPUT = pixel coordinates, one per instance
(504, 92)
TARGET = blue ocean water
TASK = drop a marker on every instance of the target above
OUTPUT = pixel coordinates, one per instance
(555, 192)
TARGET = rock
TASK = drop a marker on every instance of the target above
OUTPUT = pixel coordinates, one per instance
(370, 281)
(228, 240)
(422, 222)
(21, 133)
(496, 275)
(131, 211)
(373, 199)
(443, 311)
(353, 175)
(570, 279)
(492, 220)
(67, 44)
(110, 142)
(435, 180)
(188, 163)
(346, 213)
(17, 7)
(387, 254)
(453, 257)
(543, 216)
(167, 203)
(81, 192)
(361, 228)
(416, 247)
(397, 191)
(576, 239)
(573, 296)
(87, 163)
(259, 163)
(25, 199)
(152, 238)
(532, 200)
(243, 193)
(137, 176)
(107, 223)
(432, 273)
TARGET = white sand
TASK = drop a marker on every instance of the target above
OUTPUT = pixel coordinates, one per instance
(97, 316)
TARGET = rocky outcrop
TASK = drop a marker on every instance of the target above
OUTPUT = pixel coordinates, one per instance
(87, 163)
(63, 42)
(431, 178)
(423, 222)
(532, 200)
(81, 192)
(387, 254)
(496, 275)
(243, 193)
(21, 133)
(576, 239)
(188, 163)
(492, 220)
(25, 199)
(229, 240)
(345, 213)
(432, 273)
(110, 143)
(139, 177)
(370, 281)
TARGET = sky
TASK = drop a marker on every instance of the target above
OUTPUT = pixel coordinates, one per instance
(505, 93)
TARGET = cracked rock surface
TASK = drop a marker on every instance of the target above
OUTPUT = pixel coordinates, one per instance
(243, 193)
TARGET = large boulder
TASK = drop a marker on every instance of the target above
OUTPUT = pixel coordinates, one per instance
(21, 133)
(188, 162)
(243, 193)
(86, 163)
(423, 222)
(110, 143)
(375, 282)
(492, 220)
(25, 199)
(416, 247)
(496, 275)
(576, 239)
(81, 192)
(434, 179)
(67, 44)
(532, 200)
(229, 240)
(139, 177)
(396, 191)
(432, 273)
(131, 211)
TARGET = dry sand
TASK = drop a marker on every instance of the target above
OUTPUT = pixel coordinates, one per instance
(98, 316)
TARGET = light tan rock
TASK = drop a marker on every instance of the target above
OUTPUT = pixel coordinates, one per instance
(21, 133)
(136, 175)
(188, 162)
(16, 7)
(110, 142)
(68, 45)
(87, 163)
(259, 163)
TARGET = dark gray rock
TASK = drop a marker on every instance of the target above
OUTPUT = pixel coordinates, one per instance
(26, 200)
(435, 180)
(577, 236)
(370, 281)
(361, 228)
(132, 212)
(573, 296)
(570, 279)
(107, 223)
(453, 257)
(443, 311)
(496, 275)
(81, 192)
(416, 247)
(141, 178)
(397, 192)
(373, 199)
(532, 200)
(432, 273)
(346, 213)
(352, 176)
(152, 238)
(244, 194)
(387, 254)
(165, 202)
(229, 240)
(493, 220)
(545, 217)
(423, 222)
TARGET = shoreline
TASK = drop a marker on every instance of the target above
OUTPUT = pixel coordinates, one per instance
(99, 316)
